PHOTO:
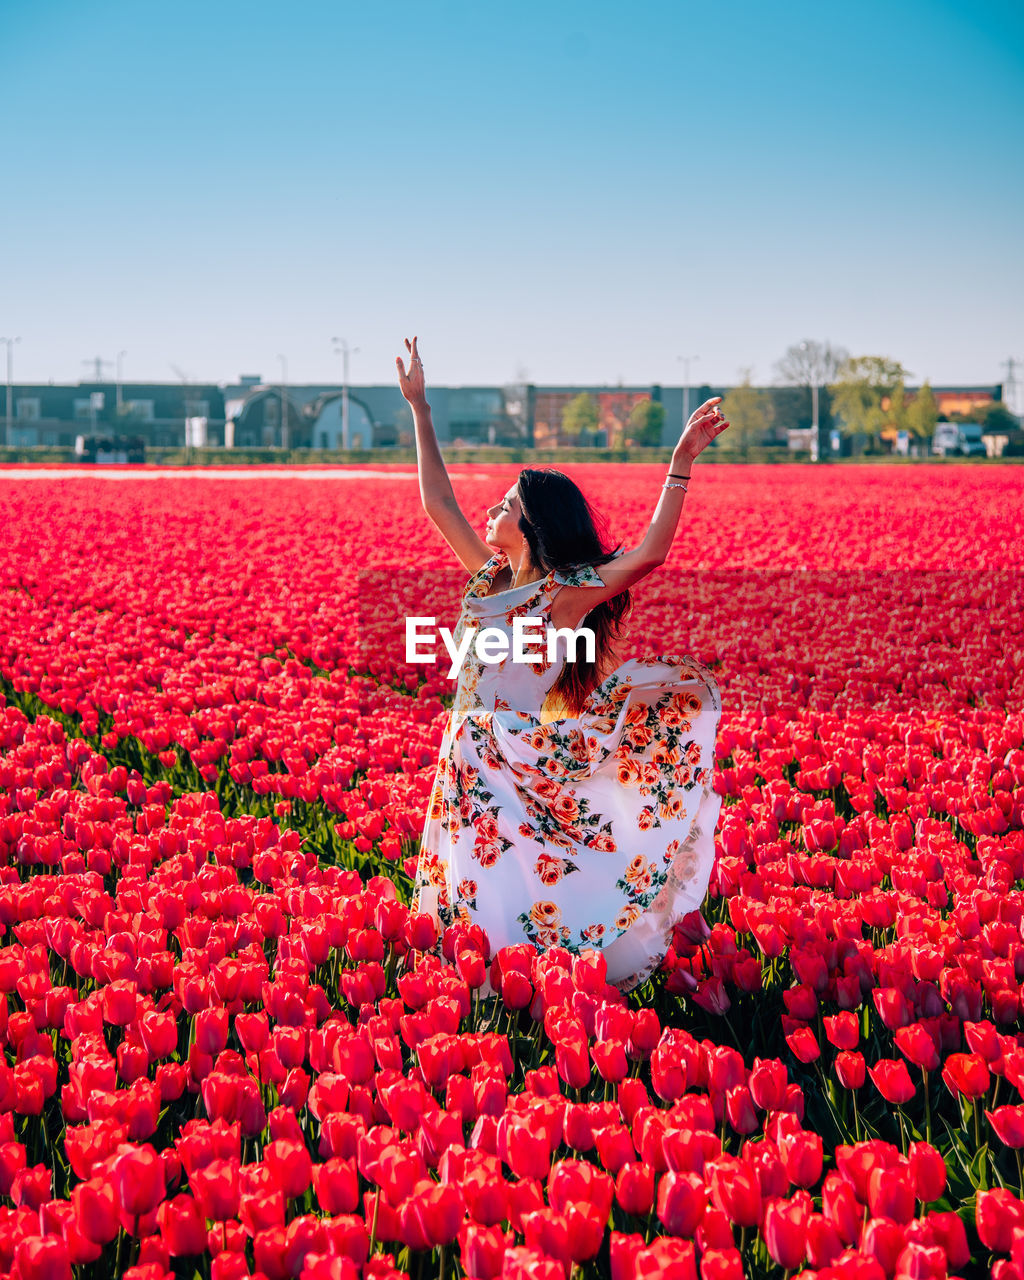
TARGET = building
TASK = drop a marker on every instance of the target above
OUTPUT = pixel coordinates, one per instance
(54, 415)
(253, 414)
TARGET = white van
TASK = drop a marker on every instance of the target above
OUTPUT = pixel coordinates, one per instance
(960, 438)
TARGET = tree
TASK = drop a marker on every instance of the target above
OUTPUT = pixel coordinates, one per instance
(749, 413)
(923, 413)
(811, 364)
(646, 419)
(580, 414)
(994, 417)
(861, 384)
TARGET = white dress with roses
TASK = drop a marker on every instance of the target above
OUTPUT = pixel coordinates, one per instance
(595, 831)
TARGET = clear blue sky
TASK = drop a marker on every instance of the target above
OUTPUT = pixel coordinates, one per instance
(579, 191)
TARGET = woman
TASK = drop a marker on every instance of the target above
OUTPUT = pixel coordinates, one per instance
(594, 828)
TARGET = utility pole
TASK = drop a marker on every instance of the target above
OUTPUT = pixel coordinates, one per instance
(340, 345)
(1010, 386)
(284, 402)
(97, 365)
(10, 387)
(685, 361)
(118, 398)
(815, 433)
(184, 409)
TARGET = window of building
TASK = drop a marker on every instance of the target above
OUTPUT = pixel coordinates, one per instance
(141, 409)
(28, 409)
(197, 408)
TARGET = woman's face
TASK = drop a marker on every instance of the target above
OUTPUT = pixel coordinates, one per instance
(503, 522)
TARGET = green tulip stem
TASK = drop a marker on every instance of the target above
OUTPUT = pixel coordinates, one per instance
(927, 1108)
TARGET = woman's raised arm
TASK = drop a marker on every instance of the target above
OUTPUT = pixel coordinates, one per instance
(704, 425)
(435, 487)
(436, 492)
(571, 604)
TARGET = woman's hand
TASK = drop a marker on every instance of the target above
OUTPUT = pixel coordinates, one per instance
(411, 383)
(704, 425)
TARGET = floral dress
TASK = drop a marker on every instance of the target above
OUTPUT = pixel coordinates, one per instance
(590, 832)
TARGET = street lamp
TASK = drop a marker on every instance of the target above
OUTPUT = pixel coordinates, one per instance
(284, 402)
(685, 360)
(10, 389)
(815, 442)
(340, 345)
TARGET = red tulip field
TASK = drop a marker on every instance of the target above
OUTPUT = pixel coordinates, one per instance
(230, 1046)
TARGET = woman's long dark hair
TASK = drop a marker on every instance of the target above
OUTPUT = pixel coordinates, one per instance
(563, 533)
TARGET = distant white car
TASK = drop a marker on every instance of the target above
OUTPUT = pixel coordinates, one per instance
(961, 438)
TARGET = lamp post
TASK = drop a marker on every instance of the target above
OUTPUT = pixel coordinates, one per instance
(685, 361)
(340, 345)
(10, 387)
(284, 402)
(815, 429)
(118, 399)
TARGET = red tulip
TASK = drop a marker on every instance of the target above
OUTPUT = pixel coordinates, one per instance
(883, 1240)
(183, 1226)
(36, 1258)
(529, 1153)
(839, 1203)
(432, 1215)
(824, 1244)
(928, 1170)
(966, 1074)
(843, 1030)
(998, 1214)
(918, 1046)
(891, 1194)
(785, 1230)
(12, 1160)
(850, 1069)
(739, 1108)
(768, 1081)
(948, 1230)
(138, 1179)
(634, 1188)
(614, 1147)
(682, 1200)
(892, 1080)
(735, 1190)
(893, 1007)
(216, 1187)
(482, 1251)
(804, 1044)
(802, 1157)
(721, 1264)
(96, 1210)
(1008, 1123)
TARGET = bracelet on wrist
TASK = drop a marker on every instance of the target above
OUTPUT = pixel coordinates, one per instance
(677, 476)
